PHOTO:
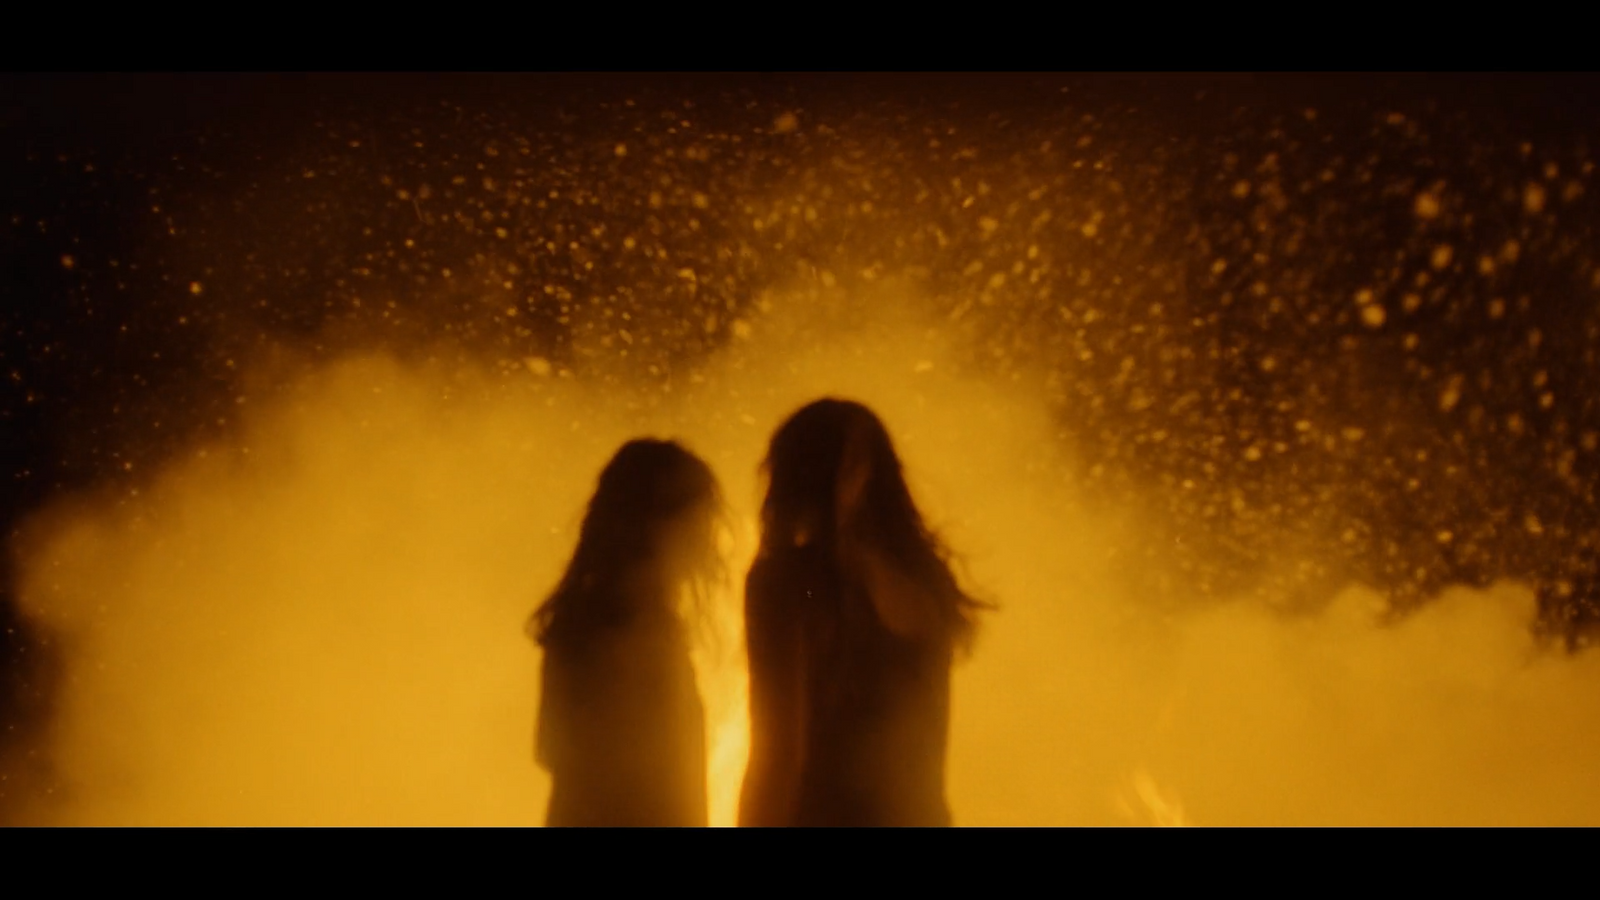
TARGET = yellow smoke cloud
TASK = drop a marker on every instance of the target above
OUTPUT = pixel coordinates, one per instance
(320, 621)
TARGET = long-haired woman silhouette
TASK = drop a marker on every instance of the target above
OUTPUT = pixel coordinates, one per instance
(621, 726)
(852, 618)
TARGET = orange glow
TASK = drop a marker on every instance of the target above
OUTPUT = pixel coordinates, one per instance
(321, 622)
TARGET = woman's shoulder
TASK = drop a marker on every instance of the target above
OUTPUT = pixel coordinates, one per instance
(603, 635)
(788, 571)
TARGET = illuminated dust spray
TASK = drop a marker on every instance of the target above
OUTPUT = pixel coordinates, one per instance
(317, 617)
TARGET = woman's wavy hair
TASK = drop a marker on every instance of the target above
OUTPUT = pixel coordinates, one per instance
(833, 452)
(647, 490)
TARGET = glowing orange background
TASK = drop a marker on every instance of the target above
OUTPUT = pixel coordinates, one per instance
(320, 623)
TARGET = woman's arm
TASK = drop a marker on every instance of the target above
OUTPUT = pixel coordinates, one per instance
(777, 704)
(550, 730)
(904, 607)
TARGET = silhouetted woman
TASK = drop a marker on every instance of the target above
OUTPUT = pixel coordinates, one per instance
(852, 617)
(621, 727)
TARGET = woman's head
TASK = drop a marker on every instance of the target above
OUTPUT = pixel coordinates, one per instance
(835, 481)
(649, 530)
(831, 467)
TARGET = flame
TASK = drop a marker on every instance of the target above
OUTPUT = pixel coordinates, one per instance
(725, 683)
(729, 750)
(1155, 806)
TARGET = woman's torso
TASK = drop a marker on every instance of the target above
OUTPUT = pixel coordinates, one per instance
(877, 705)
(622, 730)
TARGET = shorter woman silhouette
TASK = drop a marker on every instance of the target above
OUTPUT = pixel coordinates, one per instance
(621, 727)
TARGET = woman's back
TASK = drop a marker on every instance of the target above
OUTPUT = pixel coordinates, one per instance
(867, 710)
(622, 729)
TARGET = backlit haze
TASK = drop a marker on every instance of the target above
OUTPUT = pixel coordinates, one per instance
(1267, 427)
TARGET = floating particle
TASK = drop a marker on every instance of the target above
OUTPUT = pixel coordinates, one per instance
(195, 287)
(741, 329)
(620, 150)
(67, 261)
(1363, 296)
(1444, 537)
(1252, 453)
(1442, 255)
(1353, 434)
(1532, 523)
(1497, 308)
(1427, 205)
(538, 365)
(1451, 395)
(1372, 315)
(785, 123)
(1241, 189)
(1533, 198)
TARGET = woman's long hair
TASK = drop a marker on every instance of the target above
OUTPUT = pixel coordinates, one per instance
(835, 481)
(650, 522)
